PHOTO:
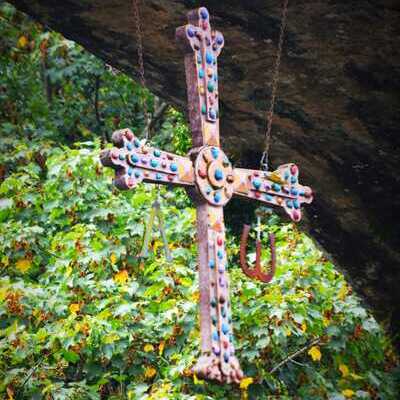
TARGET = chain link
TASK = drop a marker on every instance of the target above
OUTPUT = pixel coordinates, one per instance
(264, 163)
(142, 78)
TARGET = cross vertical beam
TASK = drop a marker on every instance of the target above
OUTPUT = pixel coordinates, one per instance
(202, 47)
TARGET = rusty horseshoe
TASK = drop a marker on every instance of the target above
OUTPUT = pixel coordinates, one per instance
(256, 272)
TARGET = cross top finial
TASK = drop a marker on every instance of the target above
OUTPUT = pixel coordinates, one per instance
(200, 35)
(202, 46)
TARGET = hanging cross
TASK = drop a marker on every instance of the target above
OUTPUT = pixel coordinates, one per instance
(211, 181)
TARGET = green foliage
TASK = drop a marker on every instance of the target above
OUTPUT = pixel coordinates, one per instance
(81, 317)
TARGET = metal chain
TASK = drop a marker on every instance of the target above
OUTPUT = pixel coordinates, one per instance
(274, 86)
(139, 38)
(142, 77)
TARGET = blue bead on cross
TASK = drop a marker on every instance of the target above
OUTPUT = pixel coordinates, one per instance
(211, 181)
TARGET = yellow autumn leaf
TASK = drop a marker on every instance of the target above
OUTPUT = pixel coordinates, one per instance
(348, 393)
(5, 261)
(156, 245)
(303, 326)
(3, 293)
(121, 277)
(149, 372)
(22, 42)
(148, 348)
(315, 353)
(342, 292)
(197, 381)
(326, 322)
(245, 383)
(196, 296)
(161, 348)
(344, 370)
(23, 264)
(356, 377)
(288, 332)
(113, 258)
(74, 308)
(111, 338)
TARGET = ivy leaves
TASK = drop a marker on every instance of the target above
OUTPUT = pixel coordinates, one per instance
(82, 317)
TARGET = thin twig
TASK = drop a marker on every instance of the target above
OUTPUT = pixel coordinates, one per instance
(34, 368)
(157, 116)
(294, 355)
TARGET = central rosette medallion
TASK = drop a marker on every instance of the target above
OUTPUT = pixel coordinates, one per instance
(214, 175)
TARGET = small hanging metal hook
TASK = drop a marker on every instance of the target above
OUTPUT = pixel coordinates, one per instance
(256, 272)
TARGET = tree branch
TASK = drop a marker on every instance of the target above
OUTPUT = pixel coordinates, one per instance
(294, 355)
(157, 116)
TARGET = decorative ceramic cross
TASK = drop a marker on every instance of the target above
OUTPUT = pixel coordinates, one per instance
(211, 181)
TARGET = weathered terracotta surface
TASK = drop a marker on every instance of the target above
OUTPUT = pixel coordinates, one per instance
(337, 113)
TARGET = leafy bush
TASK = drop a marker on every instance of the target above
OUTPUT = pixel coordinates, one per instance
(82, 317)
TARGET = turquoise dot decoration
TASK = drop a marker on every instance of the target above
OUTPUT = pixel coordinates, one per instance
(296, 204)
(130, 171)
(201, 73)
(154, 163)
(209, 57)
(134, 158)
(137, 174)
(286, 175)
(211, 264)
(276, 187)
(215, 152)
(257, 183)
(157, 153)
(121, 157)
(136, 142)
(158, 176)
(219, 175)
(225, 328)
(217, 197)
(220, 254)
(173, 167)
(215, 335)
(210, 86)
(203, 109)
(129, 146)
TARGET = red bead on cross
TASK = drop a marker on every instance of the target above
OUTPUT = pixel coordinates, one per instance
(211, 181)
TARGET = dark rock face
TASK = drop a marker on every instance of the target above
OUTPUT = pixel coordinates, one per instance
(337, 116)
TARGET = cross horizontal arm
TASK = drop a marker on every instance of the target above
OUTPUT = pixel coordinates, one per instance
(278, 188)
(135, 162)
